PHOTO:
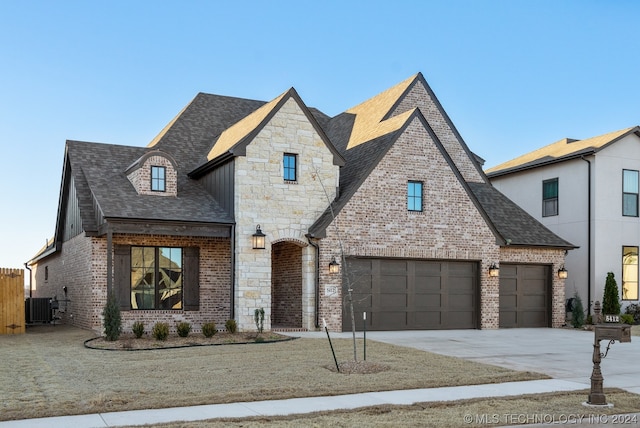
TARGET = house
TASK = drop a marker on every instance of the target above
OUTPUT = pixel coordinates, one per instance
(587, 192)
(240, 204)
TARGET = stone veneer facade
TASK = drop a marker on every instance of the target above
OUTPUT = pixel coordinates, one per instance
(284, 210)
(85, 276)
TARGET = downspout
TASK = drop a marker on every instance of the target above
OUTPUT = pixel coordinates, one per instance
(232, 309)
(26, 266)
(588, 236)
(317, 282)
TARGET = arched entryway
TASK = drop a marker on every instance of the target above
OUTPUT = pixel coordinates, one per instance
(286, 285)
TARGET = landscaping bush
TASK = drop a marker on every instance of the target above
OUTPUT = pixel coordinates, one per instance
(160, 331)
(183, 329)
(231, 326)
(138, 329)
(633, 310)
(112, 319)
(626, 318)
(611, 300)
(258, 317)
(577, 312)
(209, 329)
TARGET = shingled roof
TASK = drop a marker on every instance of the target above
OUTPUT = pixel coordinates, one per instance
(559, 151)
(99, 172)
(211, 126)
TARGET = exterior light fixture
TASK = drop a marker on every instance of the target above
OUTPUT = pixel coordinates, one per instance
(258, 239)
(494, 270)
(563, 273)
(334, 266)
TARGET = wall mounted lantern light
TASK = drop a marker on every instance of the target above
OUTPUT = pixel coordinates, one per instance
(258, 239)
(494, 270)
(334, 266)
(563, 273)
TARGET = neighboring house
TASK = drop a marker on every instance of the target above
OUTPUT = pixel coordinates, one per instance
(387, 192)
(587, 192)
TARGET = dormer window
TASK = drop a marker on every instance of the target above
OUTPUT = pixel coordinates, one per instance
(154, 173)
(290, 167)
(158, 174)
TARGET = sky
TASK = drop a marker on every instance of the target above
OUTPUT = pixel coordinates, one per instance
(512, 75)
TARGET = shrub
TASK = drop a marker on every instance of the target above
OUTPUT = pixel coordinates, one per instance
(138, 329)
(626, 318)
(183, 329)
(610, 300)
(634, 310)
(258, 317)
(209, 329)
(577, 312)
(160, 331)
(112, 318)
(231, 326)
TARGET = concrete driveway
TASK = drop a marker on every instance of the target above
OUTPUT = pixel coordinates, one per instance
(560, 353)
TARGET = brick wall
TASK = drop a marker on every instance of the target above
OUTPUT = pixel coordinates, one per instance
(82, 267)
(286, 285)
(141, 177)
(419, 97)
(376, 222)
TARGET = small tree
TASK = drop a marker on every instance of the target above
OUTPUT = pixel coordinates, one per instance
(112, 318)
(611, 300)
(577, 312)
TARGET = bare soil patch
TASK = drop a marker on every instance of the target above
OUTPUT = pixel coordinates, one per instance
(49, 372)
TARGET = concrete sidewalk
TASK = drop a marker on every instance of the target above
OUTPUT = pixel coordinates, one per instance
(295, 405)
(563, 354)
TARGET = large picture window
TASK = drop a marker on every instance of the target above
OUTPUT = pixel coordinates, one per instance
(629, 273)
(156, 278)
(550, 197)
(629, 193)
(414, 196)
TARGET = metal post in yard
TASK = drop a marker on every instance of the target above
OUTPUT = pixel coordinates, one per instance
(331, 345)
(364, 318)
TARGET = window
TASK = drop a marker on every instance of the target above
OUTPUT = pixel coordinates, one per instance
(289, 163)
(629, 273)
(156, 278)
(414, 196)
(629, 193)
(550, 197)
(158, 178)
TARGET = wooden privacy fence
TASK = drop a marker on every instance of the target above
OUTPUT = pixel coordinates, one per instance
(12, 320)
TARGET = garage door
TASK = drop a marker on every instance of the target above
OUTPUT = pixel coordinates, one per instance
(412, 294)
(525, 299)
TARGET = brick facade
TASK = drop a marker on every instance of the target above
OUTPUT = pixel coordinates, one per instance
(140, 177)
(286, 285)
(375, 222)
(82, 267)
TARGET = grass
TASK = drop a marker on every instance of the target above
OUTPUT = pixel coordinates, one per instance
(50, 373)
(563, 407)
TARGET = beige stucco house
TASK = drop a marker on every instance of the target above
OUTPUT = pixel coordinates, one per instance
(387, 192)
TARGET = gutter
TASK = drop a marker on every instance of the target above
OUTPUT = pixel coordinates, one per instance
(232, 306)
(317, 281)
(588, 235)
